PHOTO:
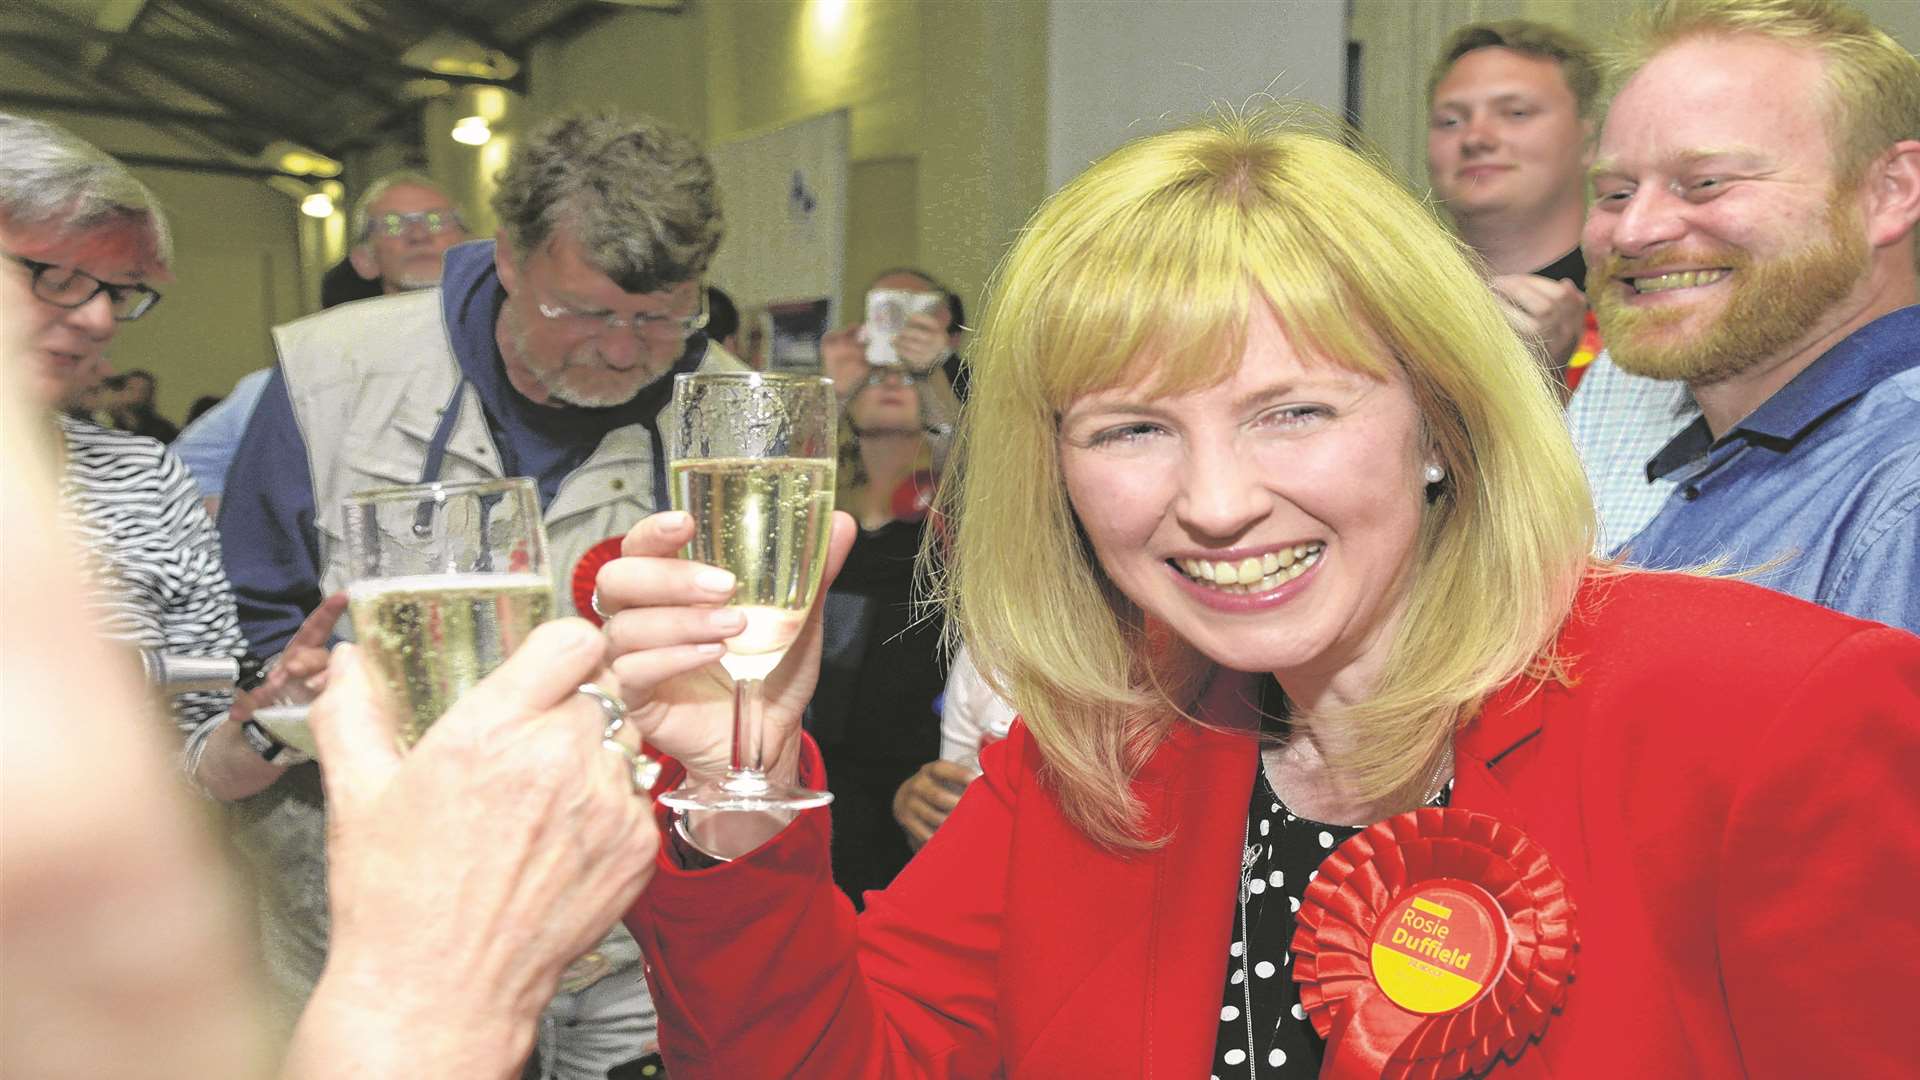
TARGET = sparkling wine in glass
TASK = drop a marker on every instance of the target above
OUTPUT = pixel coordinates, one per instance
(447, 581)
(753, 463)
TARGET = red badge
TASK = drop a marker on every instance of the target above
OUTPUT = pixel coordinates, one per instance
(912, 499)
(1431, 944)
(584, 573)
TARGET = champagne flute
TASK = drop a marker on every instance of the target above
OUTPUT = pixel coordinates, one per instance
(753, 463)
(446, 581)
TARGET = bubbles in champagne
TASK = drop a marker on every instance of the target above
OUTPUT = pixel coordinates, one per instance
(767, 520)
(432, 637)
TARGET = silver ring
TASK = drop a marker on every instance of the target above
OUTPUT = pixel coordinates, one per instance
(611, 707)
(640, 769)
(593, 602)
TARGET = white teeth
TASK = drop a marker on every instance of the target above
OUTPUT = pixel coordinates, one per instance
(1254, 574)
(1679, 279)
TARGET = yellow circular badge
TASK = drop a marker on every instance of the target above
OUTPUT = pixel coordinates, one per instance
(1440, 945)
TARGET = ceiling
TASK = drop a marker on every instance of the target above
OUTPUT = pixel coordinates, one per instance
(249, 79)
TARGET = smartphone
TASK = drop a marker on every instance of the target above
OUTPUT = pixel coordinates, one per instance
(887, 313)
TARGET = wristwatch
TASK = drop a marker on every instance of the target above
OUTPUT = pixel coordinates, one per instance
(270, 749)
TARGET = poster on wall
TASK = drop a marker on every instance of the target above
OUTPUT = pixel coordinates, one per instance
(784, 193)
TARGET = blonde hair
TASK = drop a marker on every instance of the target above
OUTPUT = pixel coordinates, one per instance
(1145, 269)
(1872, 83)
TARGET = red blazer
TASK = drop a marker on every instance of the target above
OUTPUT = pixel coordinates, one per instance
(1731, 787)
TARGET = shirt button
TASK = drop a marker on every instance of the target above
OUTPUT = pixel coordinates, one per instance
(1690, 493)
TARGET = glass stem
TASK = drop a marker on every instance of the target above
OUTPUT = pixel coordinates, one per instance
(747, 772)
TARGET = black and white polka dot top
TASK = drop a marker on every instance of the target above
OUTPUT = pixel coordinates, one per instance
(1264, 1032)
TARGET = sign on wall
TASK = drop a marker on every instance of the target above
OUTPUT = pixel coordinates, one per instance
(784, 194)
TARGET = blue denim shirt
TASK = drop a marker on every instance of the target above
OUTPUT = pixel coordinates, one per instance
(1819, 488)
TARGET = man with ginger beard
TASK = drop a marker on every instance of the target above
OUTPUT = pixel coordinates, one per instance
(1755, 199)
(547, 352)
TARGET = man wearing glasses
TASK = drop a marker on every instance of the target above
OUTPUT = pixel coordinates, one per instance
(546, 352)
(401, 226)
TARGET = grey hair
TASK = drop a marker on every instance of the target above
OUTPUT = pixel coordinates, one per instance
(357, 220)
(49, 177)
(641, 199)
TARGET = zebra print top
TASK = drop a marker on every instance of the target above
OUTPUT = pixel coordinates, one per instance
(152, 556)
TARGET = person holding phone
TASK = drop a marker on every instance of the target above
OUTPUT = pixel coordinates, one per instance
(883, 672)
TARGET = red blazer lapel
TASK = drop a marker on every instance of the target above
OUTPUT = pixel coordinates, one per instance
(1121, 959)
(1205, 791)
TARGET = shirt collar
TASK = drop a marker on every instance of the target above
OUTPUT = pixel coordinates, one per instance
(1870, 355)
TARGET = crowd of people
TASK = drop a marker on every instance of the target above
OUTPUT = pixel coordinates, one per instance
(1265, 505)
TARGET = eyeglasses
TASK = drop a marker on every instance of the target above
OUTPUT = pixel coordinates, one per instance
(586, 322)
(64, 287)
(396, 224)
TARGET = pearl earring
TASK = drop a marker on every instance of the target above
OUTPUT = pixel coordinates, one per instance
(1435, 474)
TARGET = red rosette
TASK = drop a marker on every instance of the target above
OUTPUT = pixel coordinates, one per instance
(1431, 944)
(914, 497)
(588, 569)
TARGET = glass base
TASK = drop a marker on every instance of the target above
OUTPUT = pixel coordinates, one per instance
(745, 791)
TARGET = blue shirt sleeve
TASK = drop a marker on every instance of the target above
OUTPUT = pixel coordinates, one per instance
(267, 524)
(1881, 579)
(207, 445)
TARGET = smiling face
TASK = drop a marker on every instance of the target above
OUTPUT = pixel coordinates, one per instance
(1505, 136)
(64, 348)
(575, 358)
(1718, 241)
(1271, 520)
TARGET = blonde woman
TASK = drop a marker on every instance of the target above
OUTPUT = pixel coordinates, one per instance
(1270, 528)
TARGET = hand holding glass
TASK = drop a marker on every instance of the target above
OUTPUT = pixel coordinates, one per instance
(753, 464)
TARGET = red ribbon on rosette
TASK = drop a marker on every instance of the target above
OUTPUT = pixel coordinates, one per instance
(584, 573)
(1431, 944)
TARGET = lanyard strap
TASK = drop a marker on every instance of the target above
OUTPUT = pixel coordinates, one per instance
(442, 435)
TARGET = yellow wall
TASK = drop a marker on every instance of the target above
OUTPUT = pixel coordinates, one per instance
(946, 100)
(236, 259)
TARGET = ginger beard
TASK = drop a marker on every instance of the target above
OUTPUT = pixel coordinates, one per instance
(1772, 303)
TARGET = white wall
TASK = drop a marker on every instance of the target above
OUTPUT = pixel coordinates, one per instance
(1116, 71)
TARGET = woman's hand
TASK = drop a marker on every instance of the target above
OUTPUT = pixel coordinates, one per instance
(843, 358)
(922, 804)
(668, 621)
(921, 344)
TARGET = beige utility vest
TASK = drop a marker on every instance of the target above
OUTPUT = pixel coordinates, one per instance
(368, 382)
(368, 405)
